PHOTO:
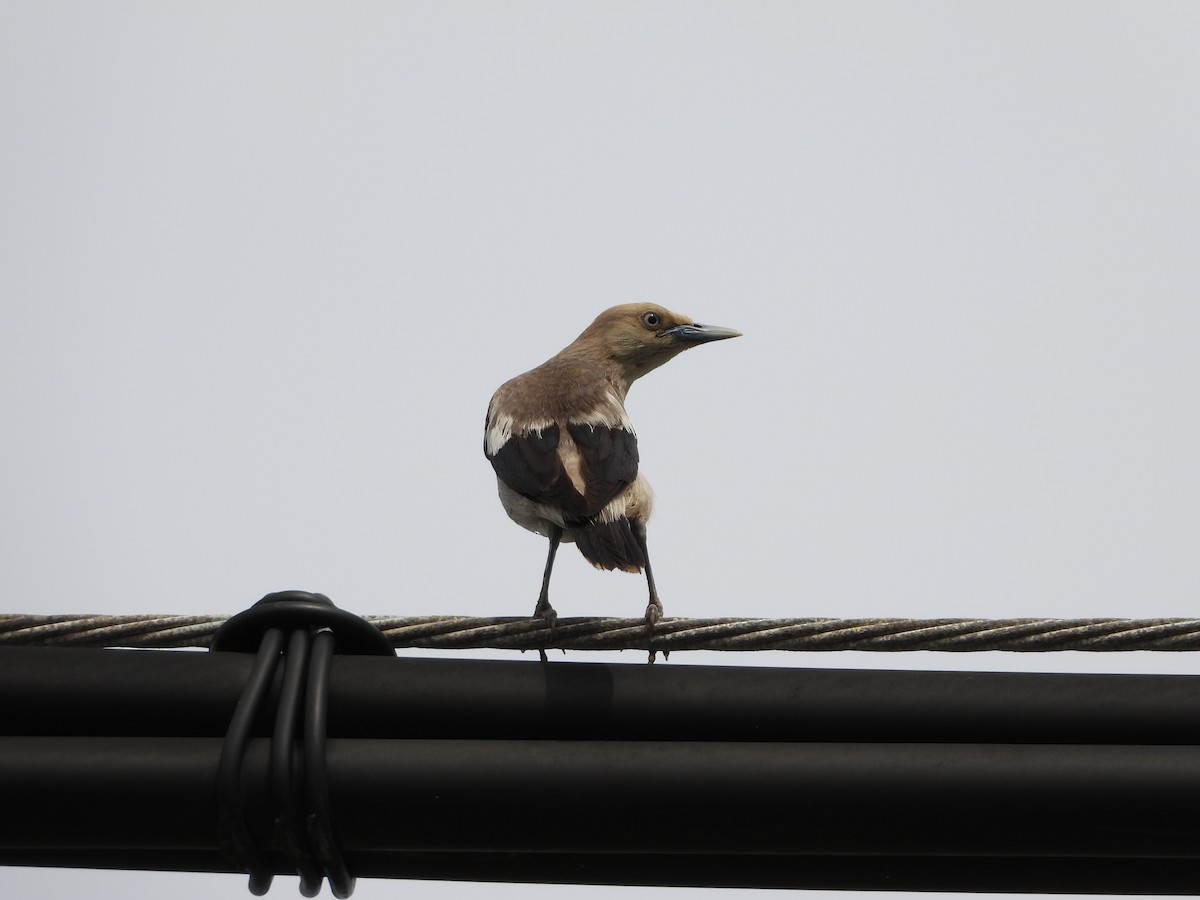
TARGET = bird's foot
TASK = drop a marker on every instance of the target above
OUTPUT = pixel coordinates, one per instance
(545, 611)
(654, 613)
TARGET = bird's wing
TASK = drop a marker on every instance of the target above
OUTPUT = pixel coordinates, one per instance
(609, 461)
(528, 462)
(532, 464)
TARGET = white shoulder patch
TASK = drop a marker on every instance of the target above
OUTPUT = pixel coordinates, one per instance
(500, 429)
(610, 413)
(498, 433)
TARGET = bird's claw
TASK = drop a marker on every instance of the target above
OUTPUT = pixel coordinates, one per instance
(654, 614)
(545, 611)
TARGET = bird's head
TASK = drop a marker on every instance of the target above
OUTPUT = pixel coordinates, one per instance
(640, 337)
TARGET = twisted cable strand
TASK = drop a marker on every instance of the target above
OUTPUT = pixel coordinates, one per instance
(520, 633)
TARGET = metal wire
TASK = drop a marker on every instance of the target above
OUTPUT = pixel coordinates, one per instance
(520, 633)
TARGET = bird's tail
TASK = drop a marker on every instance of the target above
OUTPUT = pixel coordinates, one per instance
(611, 545)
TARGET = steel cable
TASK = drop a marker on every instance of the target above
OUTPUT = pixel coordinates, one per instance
(521, 633)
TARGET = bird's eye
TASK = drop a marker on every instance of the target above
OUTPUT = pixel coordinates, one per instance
(651, 319)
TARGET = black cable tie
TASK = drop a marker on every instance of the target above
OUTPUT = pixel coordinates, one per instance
(287, 777)
(300, 609)
(305, 832)
(232, 834)
(320, 825)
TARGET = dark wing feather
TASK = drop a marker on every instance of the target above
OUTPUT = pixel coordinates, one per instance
(529, 464)
(609, 462)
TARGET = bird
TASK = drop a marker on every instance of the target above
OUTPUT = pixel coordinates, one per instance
(565, 452)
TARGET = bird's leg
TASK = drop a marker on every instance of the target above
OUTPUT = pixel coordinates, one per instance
(654, 609)
(544, 610)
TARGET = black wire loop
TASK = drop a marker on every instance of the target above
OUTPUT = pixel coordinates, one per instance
(303, 631)
(320, 826)
(300, 609)
(285, 768)
(233, 835)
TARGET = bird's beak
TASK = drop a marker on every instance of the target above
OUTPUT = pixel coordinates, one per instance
(699, 334)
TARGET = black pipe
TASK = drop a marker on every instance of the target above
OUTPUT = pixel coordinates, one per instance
(628, 797)
(52, 690)
(614, 773)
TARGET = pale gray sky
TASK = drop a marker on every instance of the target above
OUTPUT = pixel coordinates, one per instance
(263, 265)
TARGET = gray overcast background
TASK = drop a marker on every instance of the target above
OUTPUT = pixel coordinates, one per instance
(262, 266)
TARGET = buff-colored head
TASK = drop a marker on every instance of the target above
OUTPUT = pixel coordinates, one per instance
(640, 337)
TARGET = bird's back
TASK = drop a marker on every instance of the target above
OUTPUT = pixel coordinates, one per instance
(565, 453)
